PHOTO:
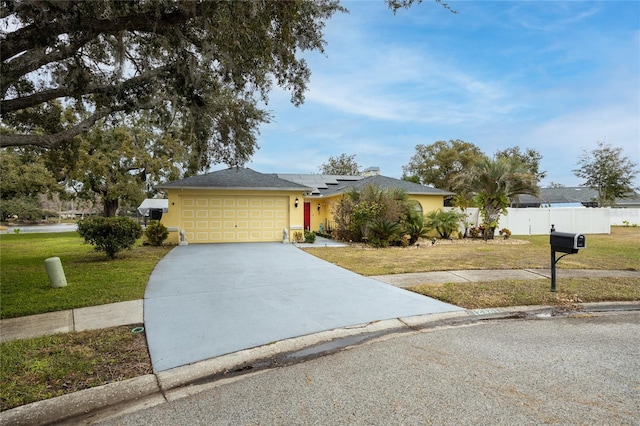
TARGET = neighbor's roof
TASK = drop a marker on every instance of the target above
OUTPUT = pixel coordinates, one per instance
(325, 185)
(572, 194)
(234, 178)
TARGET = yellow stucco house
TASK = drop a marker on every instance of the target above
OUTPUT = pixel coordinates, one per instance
(242, 205)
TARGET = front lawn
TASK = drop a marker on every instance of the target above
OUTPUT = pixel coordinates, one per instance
(495, 294)
(618, 250)
(92, 278)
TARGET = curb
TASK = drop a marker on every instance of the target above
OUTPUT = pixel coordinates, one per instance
(81, 403)
(190, 379)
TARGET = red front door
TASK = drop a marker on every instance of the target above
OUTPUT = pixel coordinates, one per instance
(307, 216)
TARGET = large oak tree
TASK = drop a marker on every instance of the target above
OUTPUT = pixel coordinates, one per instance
(202, 64)
(440, 163)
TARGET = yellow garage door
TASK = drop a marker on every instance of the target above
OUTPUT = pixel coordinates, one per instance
(225, 219)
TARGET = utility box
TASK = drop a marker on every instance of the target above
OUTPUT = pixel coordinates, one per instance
(566, 242)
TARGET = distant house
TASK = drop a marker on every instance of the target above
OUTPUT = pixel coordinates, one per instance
(242, 205)
(572, 197)
(75, 214)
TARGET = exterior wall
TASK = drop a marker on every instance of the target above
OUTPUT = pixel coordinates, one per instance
(429, 203)
(325, 214)
(173, 219)
(320, 217)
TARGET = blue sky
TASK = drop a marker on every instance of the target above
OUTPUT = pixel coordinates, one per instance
(554, 76)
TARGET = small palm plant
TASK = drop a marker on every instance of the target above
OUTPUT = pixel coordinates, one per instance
(382, 231)
(415, 228)
(444, 222)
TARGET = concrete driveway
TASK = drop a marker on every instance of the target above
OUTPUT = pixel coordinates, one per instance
(204, 301)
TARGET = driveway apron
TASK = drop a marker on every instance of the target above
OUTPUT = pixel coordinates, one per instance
(208, 300)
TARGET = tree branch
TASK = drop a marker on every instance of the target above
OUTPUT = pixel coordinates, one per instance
(24, 38)
(13, 70)
(11, 105)
(49, 141)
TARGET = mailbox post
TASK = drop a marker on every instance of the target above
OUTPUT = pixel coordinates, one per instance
(563, 242)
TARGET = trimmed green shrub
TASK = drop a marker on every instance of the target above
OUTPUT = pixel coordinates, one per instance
(309, 237)
(156, 233)
(110, 235)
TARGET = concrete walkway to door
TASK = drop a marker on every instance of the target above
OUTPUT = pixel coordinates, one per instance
(204, 301)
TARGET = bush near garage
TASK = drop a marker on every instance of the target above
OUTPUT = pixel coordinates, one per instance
(309, 237)
(110, 235)
(156, 233)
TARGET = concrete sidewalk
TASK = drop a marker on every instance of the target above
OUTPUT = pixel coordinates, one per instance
(80, 319)
(131, 312)
(417, 278)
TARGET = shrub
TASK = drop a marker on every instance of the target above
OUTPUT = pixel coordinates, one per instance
(382, 231)
(110, 235)
(156, 233)
(297, 236)
(26, 209)
(444, 222)
(309, 237)
(415, 228)
(477, 232)
(505, 233)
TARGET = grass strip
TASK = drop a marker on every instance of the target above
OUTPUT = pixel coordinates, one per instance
(498, 294)
(44, 367)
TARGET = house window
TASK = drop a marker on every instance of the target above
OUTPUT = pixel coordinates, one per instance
(417, 207)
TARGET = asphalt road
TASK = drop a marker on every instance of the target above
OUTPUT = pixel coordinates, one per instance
(30, 229)
(583, 369)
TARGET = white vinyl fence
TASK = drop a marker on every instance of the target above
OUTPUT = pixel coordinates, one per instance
(538, 221)
(631, 216)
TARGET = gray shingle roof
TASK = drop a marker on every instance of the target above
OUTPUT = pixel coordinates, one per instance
(235, 178)
(392, 183)
(325, 185)
(571, 194)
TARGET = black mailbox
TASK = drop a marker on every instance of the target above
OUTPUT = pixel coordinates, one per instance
(566, 242)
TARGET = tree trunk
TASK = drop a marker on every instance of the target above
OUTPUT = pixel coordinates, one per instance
(491, 216)
(110, 207)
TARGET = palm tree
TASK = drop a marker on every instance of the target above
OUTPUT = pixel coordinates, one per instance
(493, 182)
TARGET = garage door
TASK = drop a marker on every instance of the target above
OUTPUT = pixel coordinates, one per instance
(222, 219)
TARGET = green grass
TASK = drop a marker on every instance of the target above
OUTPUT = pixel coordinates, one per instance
(92, 279)
(49, 366)
(496, 294)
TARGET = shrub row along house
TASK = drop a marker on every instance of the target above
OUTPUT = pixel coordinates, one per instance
(242, 205)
